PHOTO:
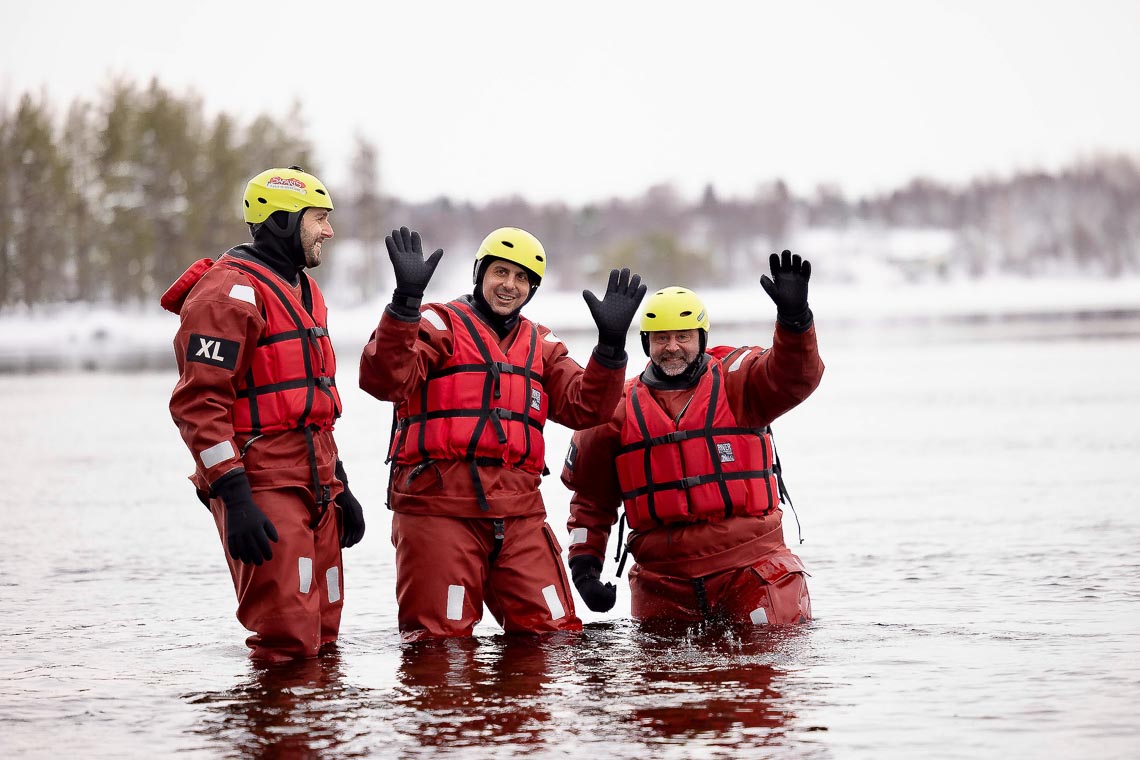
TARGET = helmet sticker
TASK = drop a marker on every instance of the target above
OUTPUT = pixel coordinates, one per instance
(281, 183)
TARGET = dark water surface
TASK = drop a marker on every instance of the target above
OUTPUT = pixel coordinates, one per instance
(971, 515)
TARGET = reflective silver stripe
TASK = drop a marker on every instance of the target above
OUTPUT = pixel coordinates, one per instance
(305, 572)
(455, 602)
(332, 581)
(435, 320)
(217, 454)
(736, 364)
(550, 594)
(243, 293)
(578, 536)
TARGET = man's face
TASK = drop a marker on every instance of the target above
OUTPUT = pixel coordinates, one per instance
(315, 229)
(505, 287)
(674, 350)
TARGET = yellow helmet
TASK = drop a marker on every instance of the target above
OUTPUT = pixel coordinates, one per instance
(288, 190)
(674, 308)
(514, 245)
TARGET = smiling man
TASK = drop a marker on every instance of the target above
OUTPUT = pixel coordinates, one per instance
(689, 456)
(473, 383)
(255, 402)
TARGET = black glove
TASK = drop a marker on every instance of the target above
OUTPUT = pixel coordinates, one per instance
(412, 272)
(614, 313)
(790, 290)
(351, 513)
(248, 530)
(598, 596)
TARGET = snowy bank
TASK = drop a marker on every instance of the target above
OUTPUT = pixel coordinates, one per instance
(85, 337)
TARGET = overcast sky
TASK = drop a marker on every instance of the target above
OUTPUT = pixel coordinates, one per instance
(587, 100)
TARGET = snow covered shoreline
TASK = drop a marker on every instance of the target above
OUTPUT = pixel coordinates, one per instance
(89, 337)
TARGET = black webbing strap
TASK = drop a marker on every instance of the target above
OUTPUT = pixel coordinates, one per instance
(784, 495)
(714, 455)
(500, 528)
(639, 417)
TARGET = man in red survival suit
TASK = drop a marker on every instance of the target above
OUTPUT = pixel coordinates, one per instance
(689, 455)
(473, 383)
(255, 402)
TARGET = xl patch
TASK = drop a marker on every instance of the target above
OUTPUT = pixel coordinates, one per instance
(217, 352)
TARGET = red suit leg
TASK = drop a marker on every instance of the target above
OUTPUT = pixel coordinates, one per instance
(773, 591)
(528, 590)
(293, 602)
(441, 569)
(656, 597)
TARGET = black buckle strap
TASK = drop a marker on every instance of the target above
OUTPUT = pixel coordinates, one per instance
(496, 420)
(702, 596)
(500, 527)
(622, 549)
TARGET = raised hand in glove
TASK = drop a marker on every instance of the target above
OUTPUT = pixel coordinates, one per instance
(586, 571)
(412, 272)
(351, 513)
(248, 530)
(788, 288)
(615, 311)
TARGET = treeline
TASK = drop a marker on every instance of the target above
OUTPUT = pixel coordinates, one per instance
(111, 199)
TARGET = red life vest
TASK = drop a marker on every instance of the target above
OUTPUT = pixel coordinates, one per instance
(482, 405)
(703, 468)
(291, 382)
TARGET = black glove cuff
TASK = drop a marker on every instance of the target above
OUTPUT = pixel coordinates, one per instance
(798, 323)
(407, 300)
(585, 566)
(340, 473)
(233, 488)
(610, 357)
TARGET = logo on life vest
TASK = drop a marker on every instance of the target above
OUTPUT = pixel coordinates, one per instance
(218, 352)
(536, 399)
(281, 183)
(725, 452)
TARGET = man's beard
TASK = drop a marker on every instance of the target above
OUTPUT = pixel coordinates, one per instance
(675, 364)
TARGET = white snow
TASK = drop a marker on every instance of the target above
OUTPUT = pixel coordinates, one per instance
(102, 337)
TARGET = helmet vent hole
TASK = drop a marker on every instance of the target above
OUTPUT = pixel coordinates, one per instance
(247, 204)
(539, 258)
(507, 243)
(650, 315)
(686, 314)
(262, 201)
(322, 192)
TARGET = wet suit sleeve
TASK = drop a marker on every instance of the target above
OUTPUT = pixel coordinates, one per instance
(401, 353)
(763, 384)
(220, 323)
(579, 398)
(589, 473)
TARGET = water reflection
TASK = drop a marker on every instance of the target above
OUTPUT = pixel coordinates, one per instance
(615, 685)
(713, 685)
(298, 709)
(479, 692)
